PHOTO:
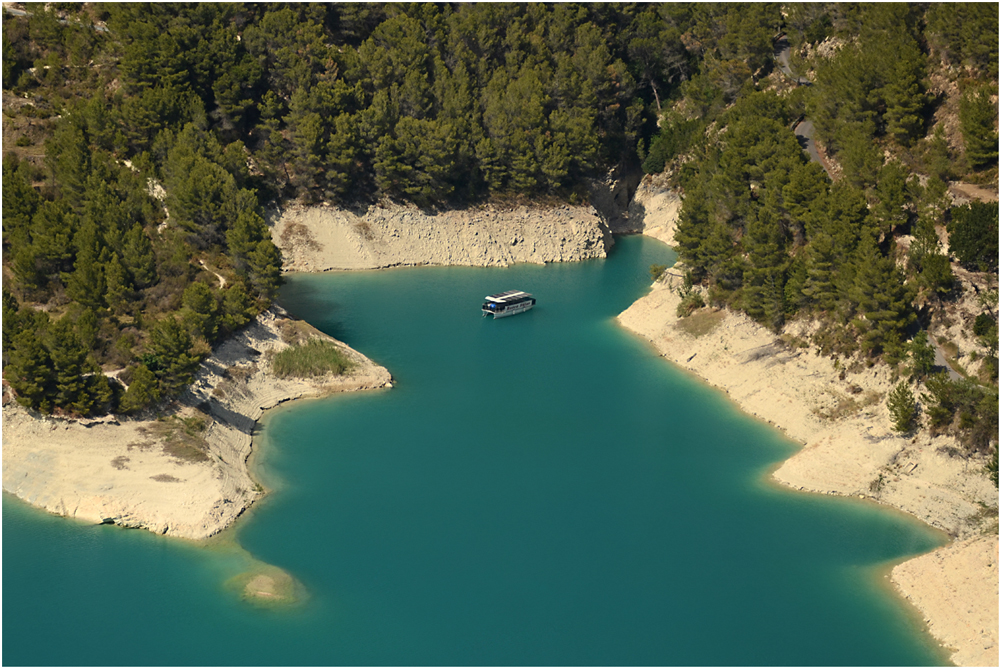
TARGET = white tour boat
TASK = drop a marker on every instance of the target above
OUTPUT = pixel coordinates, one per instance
(507, 303)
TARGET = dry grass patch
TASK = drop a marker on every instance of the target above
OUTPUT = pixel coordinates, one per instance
(297, 235)
(231, 378)
(182, 438)
(296, 332)
(701, 322)
(365, 230)
(315, 357)
(845, 406)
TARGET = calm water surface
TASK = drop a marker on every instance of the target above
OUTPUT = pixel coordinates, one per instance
(535, 490)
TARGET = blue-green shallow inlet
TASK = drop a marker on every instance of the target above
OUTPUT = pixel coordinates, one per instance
(535, 490)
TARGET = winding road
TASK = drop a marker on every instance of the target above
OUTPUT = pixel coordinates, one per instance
(803, 129)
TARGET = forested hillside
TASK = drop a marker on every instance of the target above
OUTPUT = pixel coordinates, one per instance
(142, 142)
(903, 100)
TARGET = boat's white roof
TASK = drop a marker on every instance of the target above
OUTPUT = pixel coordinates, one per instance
(501, 297)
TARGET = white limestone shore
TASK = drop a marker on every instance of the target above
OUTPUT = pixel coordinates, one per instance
(320, 238)
(137, 472)
(120, 471)
(842, 420)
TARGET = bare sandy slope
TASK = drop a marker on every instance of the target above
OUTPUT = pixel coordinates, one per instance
(134, 473)
(321, 238)
(849, 450)
(955, 588)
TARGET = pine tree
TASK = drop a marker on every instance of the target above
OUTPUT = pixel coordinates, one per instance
(68, 156)
(20, 202)
(922, 354)
(244, 234)
(29, 371)
(806, 186)
(98, 396)
(138, 257)
(118, 289)
(883, 302)
(172, 347)
(902, 408)
(264, 269)
(88, 326)
(858, 154)
(69, 363)
(972, 235)
(86, 285)
(767, 266)
(51, 250)
(201, 310)
(238, 308)
(891, 192)
(819, 289)
(978, 115)
(142, 392)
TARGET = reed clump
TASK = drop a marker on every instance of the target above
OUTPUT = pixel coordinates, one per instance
(312, 358)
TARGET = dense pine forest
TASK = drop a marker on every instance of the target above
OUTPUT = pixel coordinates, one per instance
(143, 142)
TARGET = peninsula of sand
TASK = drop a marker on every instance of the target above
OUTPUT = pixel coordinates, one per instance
(183, 472)
(128, 472)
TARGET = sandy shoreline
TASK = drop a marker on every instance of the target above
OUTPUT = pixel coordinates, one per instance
(850, 450)
(127, 472)
(120, 470)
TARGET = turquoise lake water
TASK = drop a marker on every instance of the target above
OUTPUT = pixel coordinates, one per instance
(537, 490)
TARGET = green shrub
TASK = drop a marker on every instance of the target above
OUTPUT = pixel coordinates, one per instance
(676, 136)
(689, 304)
(983, 324)
(922, 355)
(313, 358)
(902, 408)
(972, 235)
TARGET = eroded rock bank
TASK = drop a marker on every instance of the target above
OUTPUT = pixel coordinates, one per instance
(184, 474)
(849, 449)
(323, 238)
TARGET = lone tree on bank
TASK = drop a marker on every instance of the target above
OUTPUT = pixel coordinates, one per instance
(902, 408)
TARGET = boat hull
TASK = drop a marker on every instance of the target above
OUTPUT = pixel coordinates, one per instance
(513, 310)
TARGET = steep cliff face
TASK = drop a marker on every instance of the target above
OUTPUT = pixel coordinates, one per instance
(611, 196)
(655, 209)
(634, 203)
(322, 238)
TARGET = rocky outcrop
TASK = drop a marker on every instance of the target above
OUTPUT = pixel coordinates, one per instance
(655, 209)
(321, 238)
(611, 196)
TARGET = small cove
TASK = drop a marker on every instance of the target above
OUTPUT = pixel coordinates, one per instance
(535, 490)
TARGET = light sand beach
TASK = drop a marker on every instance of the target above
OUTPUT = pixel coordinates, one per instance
(122, 470)
(184, 474)
(848, 448)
